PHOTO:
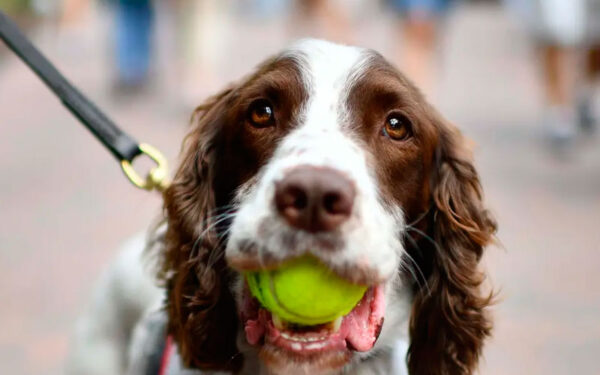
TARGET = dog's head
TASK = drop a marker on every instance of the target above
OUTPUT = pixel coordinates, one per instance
(326, 150)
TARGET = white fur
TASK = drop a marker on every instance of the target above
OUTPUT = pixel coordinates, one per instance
(101, 340)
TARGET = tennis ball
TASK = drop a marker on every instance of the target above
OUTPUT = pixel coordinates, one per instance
(304, 291)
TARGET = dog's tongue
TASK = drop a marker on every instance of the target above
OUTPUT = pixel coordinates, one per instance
(363, 324)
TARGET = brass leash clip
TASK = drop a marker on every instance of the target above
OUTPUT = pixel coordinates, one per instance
(157, 177)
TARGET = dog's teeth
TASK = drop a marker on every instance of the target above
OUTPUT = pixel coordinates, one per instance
(301, 338)
(315, 346)
(337, 324)
(277, 322)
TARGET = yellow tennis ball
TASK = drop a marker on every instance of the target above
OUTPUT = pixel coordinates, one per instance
(304, 291)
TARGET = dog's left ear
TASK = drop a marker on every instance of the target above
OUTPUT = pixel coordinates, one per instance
(449, 321)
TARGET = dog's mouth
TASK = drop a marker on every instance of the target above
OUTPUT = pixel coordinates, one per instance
(356, 331)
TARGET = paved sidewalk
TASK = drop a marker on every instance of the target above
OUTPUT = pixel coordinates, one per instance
(65, 206)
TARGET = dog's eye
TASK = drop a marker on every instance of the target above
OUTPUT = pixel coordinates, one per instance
(397, 127)
(260, 114)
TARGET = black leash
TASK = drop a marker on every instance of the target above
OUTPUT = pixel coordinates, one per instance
(120, 144)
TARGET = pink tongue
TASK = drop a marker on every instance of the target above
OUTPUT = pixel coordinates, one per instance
(363, 324)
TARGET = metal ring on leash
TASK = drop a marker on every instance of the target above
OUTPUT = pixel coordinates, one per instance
(156, 177)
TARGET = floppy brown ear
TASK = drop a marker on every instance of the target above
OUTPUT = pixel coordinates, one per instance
(201, 309)
(449, 321)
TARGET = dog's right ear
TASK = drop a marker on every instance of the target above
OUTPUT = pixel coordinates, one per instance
(200, 306)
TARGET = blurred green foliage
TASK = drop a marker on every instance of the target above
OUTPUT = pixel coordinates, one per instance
(15, 6)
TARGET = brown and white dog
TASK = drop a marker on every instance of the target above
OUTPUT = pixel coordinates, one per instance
(327, 150)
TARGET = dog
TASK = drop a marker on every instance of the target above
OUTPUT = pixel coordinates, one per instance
(324, 150)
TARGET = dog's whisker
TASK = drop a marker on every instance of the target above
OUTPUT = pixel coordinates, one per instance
(222, 237)
(222, 208)
(416, 266)
(419, 218)
(407, 267)
(424, 235)
(214, 220)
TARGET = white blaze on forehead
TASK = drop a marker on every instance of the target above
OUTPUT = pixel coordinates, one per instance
(326, 66)
(327, 70)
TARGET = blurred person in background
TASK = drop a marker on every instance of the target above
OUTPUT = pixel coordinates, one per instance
(198, 30)
(133, 44)
(132, 39)
(188, 33)
(422, 21)
(567, 33)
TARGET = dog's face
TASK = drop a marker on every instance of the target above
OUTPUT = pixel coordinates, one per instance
(326, 150)
(348, 125)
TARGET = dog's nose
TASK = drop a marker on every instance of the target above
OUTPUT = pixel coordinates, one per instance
(314, 199)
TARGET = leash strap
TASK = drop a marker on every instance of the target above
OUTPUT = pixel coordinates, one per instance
(121, 145)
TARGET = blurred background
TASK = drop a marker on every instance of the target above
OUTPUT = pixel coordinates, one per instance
(519, 77)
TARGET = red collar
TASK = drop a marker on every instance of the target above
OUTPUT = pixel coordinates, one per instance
(166, 356)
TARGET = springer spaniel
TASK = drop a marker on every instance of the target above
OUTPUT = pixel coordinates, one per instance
(327, 150)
